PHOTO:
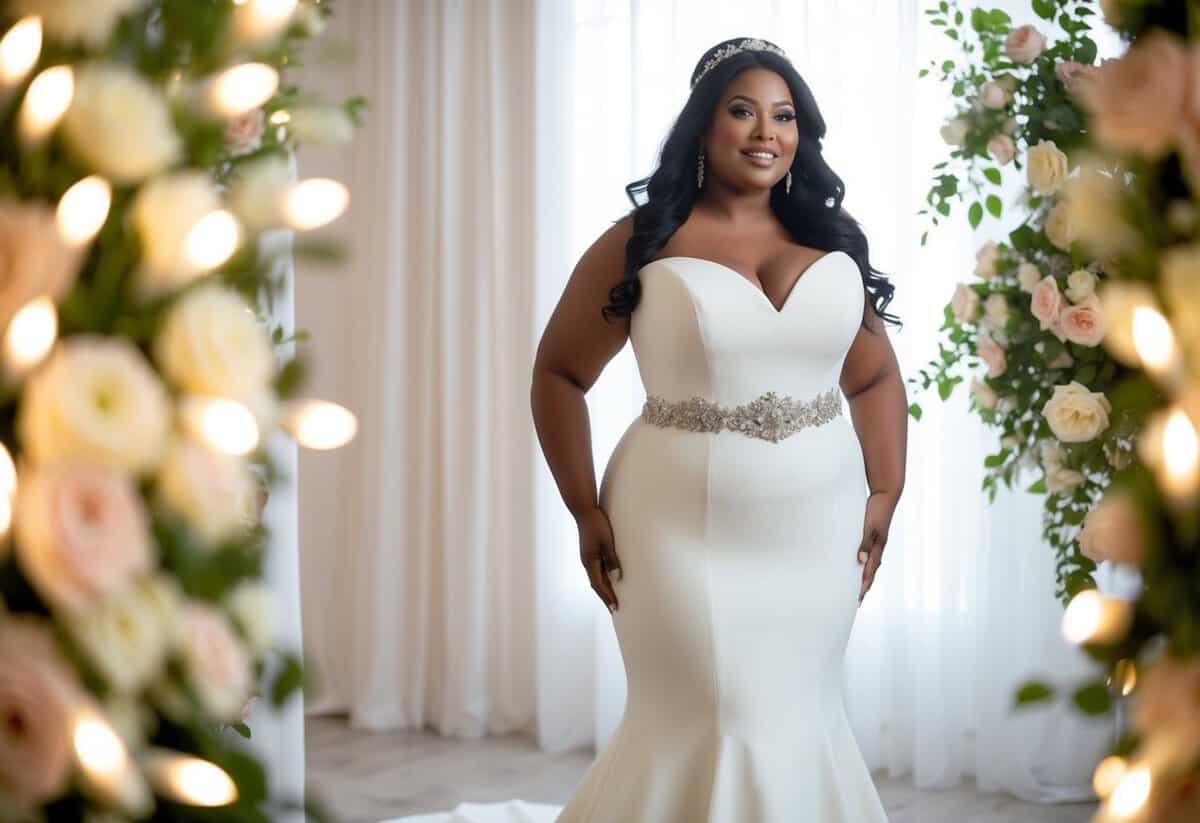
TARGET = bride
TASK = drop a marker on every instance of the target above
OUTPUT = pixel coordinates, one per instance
(743, 515)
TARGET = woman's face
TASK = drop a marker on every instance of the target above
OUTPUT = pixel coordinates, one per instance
(756, 113)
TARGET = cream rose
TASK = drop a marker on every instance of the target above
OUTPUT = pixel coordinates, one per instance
(1046, 304)
(1060, 228)
(992, 95)
(119, 124)
(212, 343)
(243, 134)
(995, 311)
(252, 608)
(984, 395)
(82, 533)
(39, 696)
(985, 260)
(1024, 44)
(1075, 413)
(955, 132)
(1113, 530)
(1002, 148)
(1084, 323)
(1081, 284)
(123, 639)
(164, 212)
(1179, 267)
(86, 22)
(1059, 478)
(215, 663)
(1028, 276)
(1046, 167)
(34, 260)
(96, 399)
(964, 305)
(1139, 102)
(257, 194)
(1093, 201)
(992, 354)
(215, 492)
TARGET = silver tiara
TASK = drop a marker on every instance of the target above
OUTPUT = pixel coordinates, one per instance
(749, 44)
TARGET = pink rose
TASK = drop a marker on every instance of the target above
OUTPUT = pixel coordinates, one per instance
(1112, 530)
(1024, 44)
(1002, 148)
(1046, 304)
(992, 354)
(1072, 75)
(244, 133)
(81, 532)
(964, 304)
(1140, 101)
(1084, 323)
(38, 700)
(216, 664)
(993, 95)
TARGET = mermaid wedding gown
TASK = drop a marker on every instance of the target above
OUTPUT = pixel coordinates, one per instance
(737, 532)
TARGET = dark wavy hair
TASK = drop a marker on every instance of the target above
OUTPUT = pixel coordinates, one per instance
(812, 213)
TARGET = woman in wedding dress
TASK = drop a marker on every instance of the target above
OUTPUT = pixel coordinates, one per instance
(742, 517)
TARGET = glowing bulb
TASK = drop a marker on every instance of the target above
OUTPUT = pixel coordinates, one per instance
(83, 210)
(1108, 774)
(20, 49)
(190, 780)
(1124, 677)
(1092, 618)
(257, 20)
(31, 335)
(1181, 450)
(225, 425)
(319, 424)
(47, 100)
(1153, 339)
(1130, 793)
(8, 474)
(212, 241)
(242, 88)
(311, 204)
(99, 749)
(280, 117)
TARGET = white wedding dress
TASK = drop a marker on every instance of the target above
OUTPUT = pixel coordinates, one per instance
(741, 582)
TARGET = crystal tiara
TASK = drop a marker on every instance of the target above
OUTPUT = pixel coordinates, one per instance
(749, 44)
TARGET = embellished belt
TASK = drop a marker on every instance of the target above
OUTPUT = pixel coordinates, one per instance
(768, 416)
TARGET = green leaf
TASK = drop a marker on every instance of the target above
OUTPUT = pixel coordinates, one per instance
(1044, 9)
(994, 205)
(1038, 488)
(1086, 51)
(1034, 691)
(975, 215)
(288, 681)
(993, 175)
(915, 411)
(994, 460)
(1092, 698)
(242, 729)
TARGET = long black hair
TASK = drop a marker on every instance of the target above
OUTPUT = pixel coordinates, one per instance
(812, 213)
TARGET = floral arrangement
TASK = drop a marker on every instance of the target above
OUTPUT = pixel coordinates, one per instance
(144, 149)
(1030, 315)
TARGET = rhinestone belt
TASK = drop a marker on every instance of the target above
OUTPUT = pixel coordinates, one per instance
(768, 416)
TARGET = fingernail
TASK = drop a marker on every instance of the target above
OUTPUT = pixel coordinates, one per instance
(612, 608)
(862, 557)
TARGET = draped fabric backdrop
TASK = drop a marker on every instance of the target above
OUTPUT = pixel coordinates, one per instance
(441, 578)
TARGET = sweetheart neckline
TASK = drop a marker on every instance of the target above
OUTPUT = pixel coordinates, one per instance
(760, 292)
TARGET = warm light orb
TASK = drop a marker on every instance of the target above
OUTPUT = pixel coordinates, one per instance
(213, 240)
(225, 425)
(243, 88)
(8, 474)
(320, 424)
(1092, 618)
(100, 751)
(190, 780)
(255, 20)
(20, 49)
(30, 336)
(47, 100)
(1130, 793)
(1108, 774)
(1124, 677)
(281, 117)
(1153, 339)
(312, 203)
(1181, 449)
(83, 209)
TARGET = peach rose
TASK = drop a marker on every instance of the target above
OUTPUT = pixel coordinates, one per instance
(964, 304)
(995, 312)
(992, 354)
(34, 260)
(1113, 530)
(215, 492)
(1028, 276)
(216, 664)
(243, 134)
(954, 133)
(1139, 102)
(992, 95)
(38, 700)
(985, 395)
(1084, 323)
(1024, 44)
(1073, 75)
(1002, 148)
(1046, 304)
(985, 260)
(1059, 477)
(81, 532)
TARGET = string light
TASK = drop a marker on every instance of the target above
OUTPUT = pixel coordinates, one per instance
(1130, 793)
(1168, 443)
(1091, 617)
(20, 49)
(104, 761)
(1108, 774)
(225, 425)
(30, 336)
(313, 203)
(47, 100)
(258, 20)
(212, 240)
(189, 780)
(1155, 343)
(83, 209)
(320, 424)
(242, 88)
(280, 117)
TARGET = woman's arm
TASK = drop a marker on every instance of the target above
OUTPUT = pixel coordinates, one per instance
(575, 346)
(878, 403)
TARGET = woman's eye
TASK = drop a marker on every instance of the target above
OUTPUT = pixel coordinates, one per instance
(786, 115)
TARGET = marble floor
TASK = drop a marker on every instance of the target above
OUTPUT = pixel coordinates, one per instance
(367, 777)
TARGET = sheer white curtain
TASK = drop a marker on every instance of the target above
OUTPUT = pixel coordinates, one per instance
(441, 577)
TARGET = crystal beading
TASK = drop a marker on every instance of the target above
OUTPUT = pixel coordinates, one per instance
(749, 44)
(768, 416)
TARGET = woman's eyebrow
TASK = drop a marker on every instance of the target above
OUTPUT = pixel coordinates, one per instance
(752, 100)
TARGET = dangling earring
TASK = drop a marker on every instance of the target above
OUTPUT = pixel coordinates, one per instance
(787, 187)
(700, 170)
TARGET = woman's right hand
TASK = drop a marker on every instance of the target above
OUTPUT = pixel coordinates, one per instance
(598, 554)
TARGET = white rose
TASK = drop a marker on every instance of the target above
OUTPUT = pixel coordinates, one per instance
(97, 399)
(985, 260)
(964, 304)
(123, 639)
(995, 311)
(119, 124)
(214, 491)
(214, 661)
(1002, 148)
(1028, 276)
(984, 395)
(1060, 229)
(955, 132)
(1081, 284)
(86, 22)
(252, 608)
(164, 212)
(1046, 167)
(993, 95)
(1075, 413)
(324, 125)
(257, 194)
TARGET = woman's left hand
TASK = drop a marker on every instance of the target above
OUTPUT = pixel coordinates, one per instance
(876, 523)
